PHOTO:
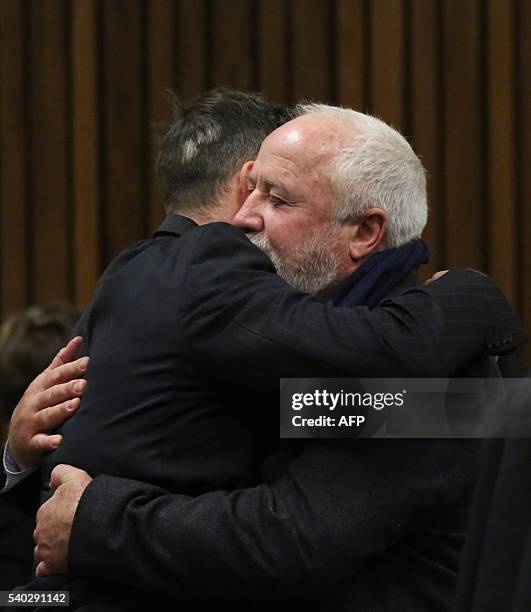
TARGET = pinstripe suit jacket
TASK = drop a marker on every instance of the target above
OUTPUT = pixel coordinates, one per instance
(226, 318)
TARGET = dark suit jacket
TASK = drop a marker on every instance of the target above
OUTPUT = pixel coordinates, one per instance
(496, 569)
(189, 333)
(175, 319)
(232, 312)
(360, 525)
(17, 522)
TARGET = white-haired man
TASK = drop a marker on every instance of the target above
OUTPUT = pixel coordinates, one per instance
(366, 525)
(329, 189)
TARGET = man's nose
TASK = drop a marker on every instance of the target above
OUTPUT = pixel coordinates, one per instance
(249, 217)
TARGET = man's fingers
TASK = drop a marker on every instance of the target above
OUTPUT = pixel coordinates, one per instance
(43, 569)
(44, 443)
(65, 373)
(439, 274)
(67, 353)
(59, 374)
(50, 418)
(436, 276)
(61, 474)
(59, 394)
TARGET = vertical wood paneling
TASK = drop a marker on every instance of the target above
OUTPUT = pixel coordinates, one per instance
(14, 241)
(387, 64)
(85, 151)
(463, 134)
(192, 47)
(425, 119)
(232, 64)
(312, 78)
(501, 152)
(83, 82)
(124, 125)
(273, 63)
(162, 77)
(50, 152)
(351, 54)
(524, 164)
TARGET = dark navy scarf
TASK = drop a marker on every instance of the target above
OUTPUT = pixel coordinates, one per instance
(379, 275)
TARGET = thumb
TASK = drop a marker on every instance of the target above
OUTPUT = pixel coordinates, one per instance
(43, 569)
(61, 474)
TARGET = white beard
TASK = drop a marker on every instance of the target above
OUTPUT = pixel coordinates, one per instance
(311, 267)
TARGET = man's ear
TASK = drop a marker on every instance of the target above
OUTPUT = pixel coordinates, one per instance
(244, 172)
(367, 233)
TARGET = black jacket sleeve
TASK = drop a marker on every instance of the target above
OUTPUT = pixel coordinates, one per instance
(297, 539)
(237, 312)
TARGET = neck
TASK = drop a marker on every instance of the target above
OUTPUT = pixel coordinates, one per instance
(202, 218)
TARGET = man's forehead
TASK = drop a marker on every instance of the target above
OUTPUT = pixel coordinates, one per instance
(272, 162)
(291, 157)
(303, 144)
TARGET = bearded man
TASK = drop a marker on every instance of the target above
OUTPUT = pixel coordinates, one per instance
(344, 523)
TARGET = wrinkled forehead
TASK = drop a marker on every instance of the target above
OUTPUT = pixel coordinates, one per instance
(302, 147)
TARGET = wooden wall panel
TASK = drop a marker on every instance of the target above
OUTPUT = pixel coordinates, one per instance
(425, 119)
(464, 135)
(125, 125)
(523, 254)
(273, 67)
(162, 39)
(501, 153)
(351, 54)
(232, 64)
(192, 48)
(312, 65)
(50, 152)
(14, 173)
(387, 61)
(83, 83)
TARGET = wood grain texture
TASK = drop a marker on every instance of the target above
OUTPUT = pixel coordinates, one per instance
(464, 143)
(311, 47)
(425, 117)
(83, 83)
(523, 218)
(501, 145)
(232, 63)
(50, 153)
(274, 60)
(14, 152)
(162, 40)
(351, 54)
(387, 61)
(192, 47)
(125, 126)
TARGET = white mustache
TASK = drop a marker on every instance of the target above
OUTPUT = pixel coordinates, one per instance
(311, 267)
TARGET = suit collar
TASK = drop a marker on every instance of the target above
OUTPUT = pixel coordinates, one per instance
(176, 225)
(408, 282)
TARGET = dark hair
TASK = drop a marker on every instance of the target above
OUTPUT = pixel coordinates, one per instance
(28, 342)
(208, 140)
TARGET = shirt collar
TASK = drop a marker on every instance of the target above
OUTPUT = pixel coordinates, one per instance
(175, 224)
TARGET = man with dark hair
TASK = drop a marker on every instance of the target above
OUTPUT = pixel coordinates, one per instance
(174, 321)
(203, 148)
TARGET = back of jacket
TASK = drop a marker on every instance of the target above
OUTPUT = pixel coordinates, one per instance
(148, 413)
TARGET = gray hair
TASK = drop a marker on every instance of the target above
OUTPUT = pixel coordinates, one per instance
(377, 169)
